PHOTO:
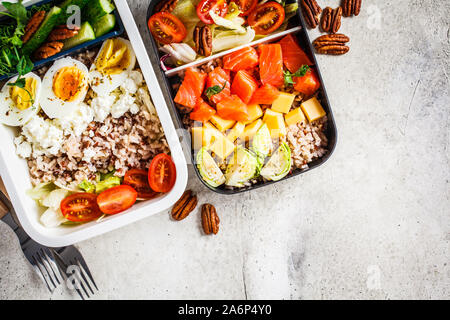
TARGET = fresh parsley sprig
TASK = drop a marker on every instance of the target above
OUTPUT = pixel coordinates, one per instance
(209, 92)
(288, 76)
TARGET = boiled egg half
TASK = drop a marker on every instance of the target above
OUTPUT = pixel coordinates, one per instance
(64, 87)
(112, 65)
(19, 104)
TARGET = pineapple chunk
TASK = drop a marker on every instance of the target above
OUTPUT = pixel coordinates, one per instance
(222, 147)
(204, 136)
(313, 109)
(283, 103)
(236, 131)
(275, 123)
(222, 124)
(254, 112)
(295, 116)
(250, 130)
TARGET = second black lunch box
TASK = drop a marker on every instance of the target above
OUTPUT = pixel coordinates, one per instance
(305, 43)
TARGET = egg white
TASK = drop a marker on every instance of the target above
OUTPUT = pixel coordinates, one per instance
(9, 113)
(53, 106)
(105, 84)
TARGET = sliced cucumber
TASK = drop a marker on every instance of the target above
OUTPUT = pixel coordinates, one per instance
(97, 9)
(66, 4)
(41, 34)
(104, 25)
(85, 34)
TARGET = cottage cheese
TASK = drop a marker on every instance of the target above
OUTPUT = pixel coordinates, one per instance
(45, 137)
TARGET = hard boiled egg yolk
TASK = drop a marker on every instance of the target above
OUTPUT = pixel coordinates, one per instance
(67, 83)
(114, 58)
(23, 97)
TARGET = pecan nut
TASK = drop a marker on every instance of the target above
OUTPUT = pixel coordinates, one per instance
(311, 11)
(351, 7)
(210, 219)
(331, 19)
(32, 25)
(48, 49)
(203, 40)
(334, 44)
(183, 207)
(165, 6)
(62, 32)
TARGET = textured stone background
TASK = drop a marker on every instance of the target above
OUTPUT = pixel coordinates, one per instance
(373, 222)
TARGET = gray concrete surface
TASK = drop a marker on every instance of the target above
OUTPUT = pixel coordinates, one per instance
(371, 223)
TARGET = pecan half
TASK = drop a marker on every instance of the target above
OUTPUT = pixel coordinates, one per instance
(210, 219)
(332, 44)
(351, 7)
(183, 207)
(32, 25)
(311, 11)
(48, 49)
(331, 19)
(62, 32)
(203, 40)
(165, 6)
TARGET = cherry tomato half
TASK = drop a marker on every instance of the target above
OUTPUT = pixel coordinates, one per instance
(266, 18)
(246, 6)
(220, 7)
(80, 207)
(138, 180)
(166, 28)
(162, 173)
(116, 199)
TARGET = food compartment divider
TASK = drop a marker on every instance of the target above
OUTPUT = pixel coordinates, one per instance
(301, 34)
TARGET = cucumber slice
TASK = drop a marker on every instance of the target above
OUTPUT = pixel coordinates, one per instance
(97, 9)
(85, 34)
(66, 4)
(104, 25)
(41, 34)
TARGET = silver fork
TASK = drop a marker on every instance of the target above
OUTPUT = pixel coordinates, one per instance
(72, 265)
(40, 257)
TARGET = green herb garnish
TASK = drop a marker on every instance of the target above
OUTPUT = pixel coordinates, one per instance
(209, 92)
(299, 73)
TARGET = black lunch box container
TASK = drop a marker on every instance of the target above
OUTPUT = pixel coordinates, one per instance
(169, 95)
(118, 30)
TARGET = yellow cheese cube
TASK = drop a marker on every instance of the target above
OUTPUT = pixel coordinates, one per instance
(275, 123)
(204, 136)
(250, 129)
(283, 103)
(254, 112)
(222, 147)
(222, 124)
(236, 131)
(313, 109)
(295, 116)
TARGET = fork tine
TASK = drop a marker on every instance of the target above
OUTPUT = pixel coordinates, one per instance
(84, 266)
(62, 267)
(42, 262)
(82, 275)
(36, 265)
(48, 255)
(80, 280)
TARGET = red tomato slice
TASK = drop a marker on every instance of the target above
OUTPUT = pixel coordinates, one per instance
(220, 7)
(191, 89)
(265, 95)
(271, 64)
(116, 199)
(246, 6)
(219, 77)
(138, 180)
(162, 173)
(202, 111)
(232, 108)
(166, 28)
(245, 58)
(293, 56)
(80, 207)
(308, 84)
(244, 85)
(266, 18)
